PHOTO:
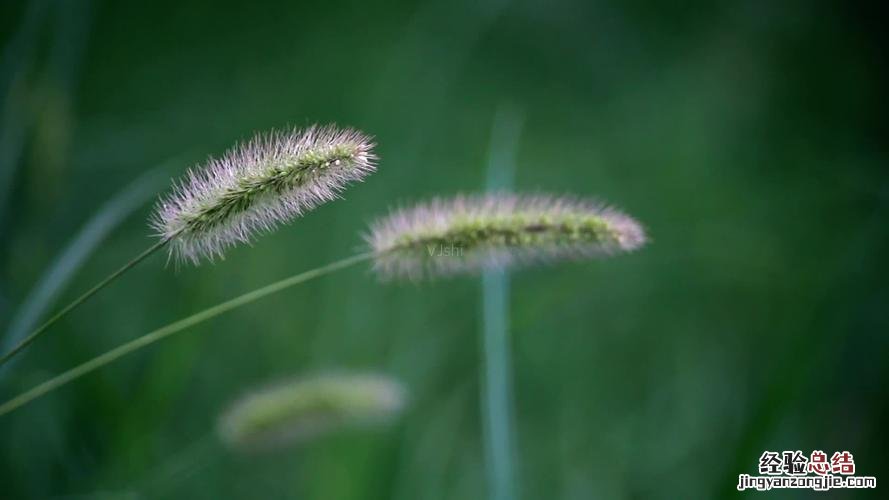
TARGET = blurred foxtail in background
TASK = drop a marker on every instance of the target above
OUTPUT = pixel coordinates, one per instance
(289, 413)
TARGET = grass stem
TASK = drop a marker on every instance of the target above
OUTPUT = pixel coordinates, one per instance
(497, 404)
(172, 328)
(80, 300)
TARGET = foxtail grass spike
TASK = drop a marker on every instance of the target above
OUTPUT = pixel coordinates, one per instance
(468, 233)
(299, 410)
(258, 185)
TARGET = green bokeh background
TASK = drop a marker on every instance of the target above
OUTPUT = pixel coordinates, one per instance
(748, 136)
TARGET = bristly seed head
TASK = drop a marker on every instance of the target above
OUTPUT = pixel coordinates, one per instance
(299, 410)
(469, 233)
(258, 185)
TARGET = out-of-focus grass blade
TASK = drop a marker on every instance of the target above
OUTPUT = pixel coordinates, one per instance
(72, 21)
(18, 122)
(497, 383)
(63, 268)
(15, 60)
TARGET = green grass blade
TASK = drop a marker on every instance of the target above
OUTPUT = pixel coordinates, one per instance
(81, 247)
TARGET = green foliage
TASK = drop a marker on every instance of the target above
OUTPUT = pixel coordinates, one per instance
(737, 131)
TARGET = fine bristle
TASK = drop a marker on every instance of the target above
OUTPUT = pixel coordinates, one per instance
(258, 185)
(468, 233)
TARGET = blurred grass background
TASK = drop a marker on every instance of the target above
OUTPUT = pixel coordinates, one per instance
(749, 136)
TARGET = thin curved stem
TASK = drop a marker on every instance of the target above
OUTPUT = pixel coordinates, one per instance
(80, 300)
(175, 327)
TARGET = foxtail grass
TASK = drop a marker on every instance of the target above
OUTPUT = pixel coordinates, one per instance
(295, 411)
(259, 185)
(494, 230)
(253, 188)
(466, 234)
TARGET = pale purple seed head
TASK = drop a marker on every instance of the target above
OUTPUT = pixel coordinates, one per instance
(269, 180)
(466, 234)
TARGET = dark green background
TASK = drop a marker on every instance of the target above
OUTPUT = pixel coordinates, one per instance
(748, 136)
